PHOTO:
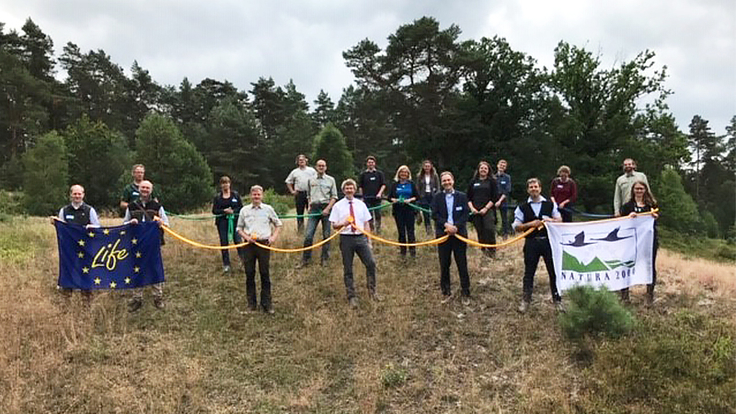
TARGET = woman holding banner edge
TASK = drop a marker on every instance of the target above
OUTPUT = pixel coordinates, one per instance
(643, 201)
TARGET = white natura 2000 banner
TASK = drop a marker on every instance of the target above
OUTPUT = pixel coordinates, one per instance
(612, 253)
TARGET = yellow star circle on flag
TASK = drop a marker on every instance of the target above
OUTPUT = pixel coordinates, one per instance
(138, 254)
(136, 269)
(134, 241)
(80, 255)
(106, 232)
(97, 281)
(91, 234)
(81, 242)
(113, 285)
(122, 233)
(85, 269)
(127, 280)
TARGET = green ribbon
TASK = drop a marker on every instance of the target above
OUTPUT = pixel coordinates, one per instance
(281, 216)
(414, 206)
(231, 228)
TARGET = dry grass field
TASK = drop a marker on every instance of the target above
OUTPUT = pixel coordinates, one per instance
(407, 354)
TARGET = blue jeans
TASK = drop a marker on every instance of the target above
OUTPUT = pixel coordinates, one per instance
(312, 228)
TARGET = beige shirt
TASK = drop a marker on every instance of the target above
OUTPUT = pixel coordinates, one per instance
(322, 189)
(299, 178)
(622, 192)
(257, 221)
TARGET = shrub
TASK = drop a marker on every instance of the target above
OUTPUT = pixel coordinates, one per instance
(393, 377)
(11, 203)
(279, 203)
(594, 312)
(710, 224)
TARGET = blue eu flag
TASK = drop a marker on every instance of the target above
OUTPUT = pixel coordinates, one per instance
(123, 257)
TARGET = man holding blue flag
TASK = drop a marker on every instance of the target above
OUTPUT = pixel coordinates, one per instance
(81, 213)
(146, 210)
(93, 257)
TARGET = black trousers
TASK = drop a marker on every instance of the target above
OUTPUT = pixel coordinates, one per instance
(222, 228)
(404, 216)
(534, 248)
(566, 214)
(458, 248)
(300, 200)
(503, 211)
(485, 225)
(252, 255)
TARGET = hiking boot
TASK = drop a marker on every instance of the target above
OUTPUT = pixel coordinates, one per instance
(559, 307)
(375, 297)
(226, 269)
(466, 301)
(353, 302)
(158, 302)
(625, 298)
(524, 306)
(134, 305)
(269, 310)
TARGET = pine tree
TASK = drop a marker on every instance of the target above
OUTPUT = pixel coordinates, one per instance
(45, 180)
(179, 173)
(330, 146)
(678, 211)
(97, 157)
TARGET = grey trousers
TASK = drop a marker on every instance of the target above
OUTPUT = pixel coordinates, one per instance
(358, 244)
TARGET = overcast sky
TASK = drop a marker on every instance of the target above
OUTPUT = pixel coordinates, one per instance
(241, 41)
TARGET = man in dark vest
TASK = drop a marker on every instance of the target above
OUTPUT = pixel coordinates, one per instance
(141, 210)
(531, 215)
(78, 212)
(131, 192)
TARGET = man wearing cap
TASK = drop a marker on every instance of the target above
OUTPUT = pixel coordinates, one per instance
(350, 216)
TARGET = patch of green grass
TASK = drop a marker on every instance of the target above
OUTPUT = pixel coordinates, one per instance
(712, 249)
(684, 363)
(393, 376)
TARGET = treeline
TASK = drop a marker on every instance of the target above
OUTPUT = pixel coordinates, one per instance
(427, 95)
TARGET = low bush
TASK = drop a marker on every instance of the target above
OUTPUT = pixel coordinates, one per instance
(594, 312)
(682, 363)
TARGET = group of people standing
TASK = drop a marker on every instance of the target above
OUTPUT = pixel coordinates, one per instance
(140, 204)
(315, 193)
